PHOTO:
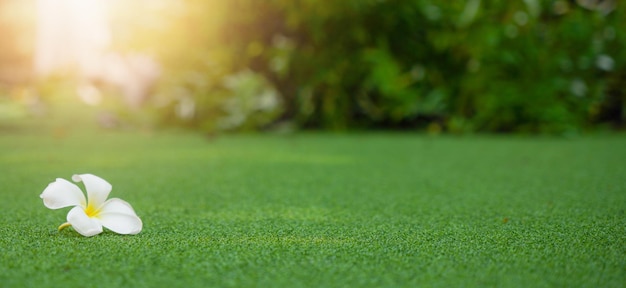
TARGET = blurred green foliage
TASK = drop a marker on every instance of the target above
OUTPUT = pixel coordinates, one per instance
(529, 66)
(503, 66)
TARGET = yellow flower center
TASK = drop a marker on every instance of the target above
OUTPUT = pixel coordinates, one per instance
(91, 211)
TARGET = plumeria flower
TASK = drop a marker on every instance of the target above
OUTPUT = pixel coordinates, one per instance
(89, 215)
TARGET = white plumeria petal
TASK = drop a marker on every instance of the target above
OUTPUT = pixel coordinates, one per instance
(117, 205)
(62, 193)
(97, 188)
(82, 223)
(118, 216)
(121, 223)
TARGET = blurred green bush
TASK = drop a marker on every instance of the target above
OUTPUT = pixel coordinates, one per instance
(499, 66)
(529, 66)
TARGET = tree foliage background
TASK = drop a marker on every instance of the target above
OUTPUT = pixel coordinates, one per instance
(459, 66)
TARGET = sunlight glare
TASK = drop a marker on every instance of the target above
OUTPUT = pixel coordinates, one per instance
(71, 35)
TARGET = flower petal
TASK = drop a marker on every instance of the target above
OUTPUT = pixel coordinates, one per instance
(117, 205)
(97, 188)
(121, 223)
(62, 193)
(118, 216)
(82, 223)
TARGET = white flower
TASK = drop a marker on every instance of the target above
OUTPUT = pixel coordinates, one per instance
(90, 215)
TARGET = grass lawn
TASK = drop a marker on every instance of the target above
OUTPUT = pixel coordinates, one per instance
(321, 210)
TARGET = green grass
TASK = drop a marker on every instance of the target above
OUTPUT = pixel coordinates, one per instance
(321, 210)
